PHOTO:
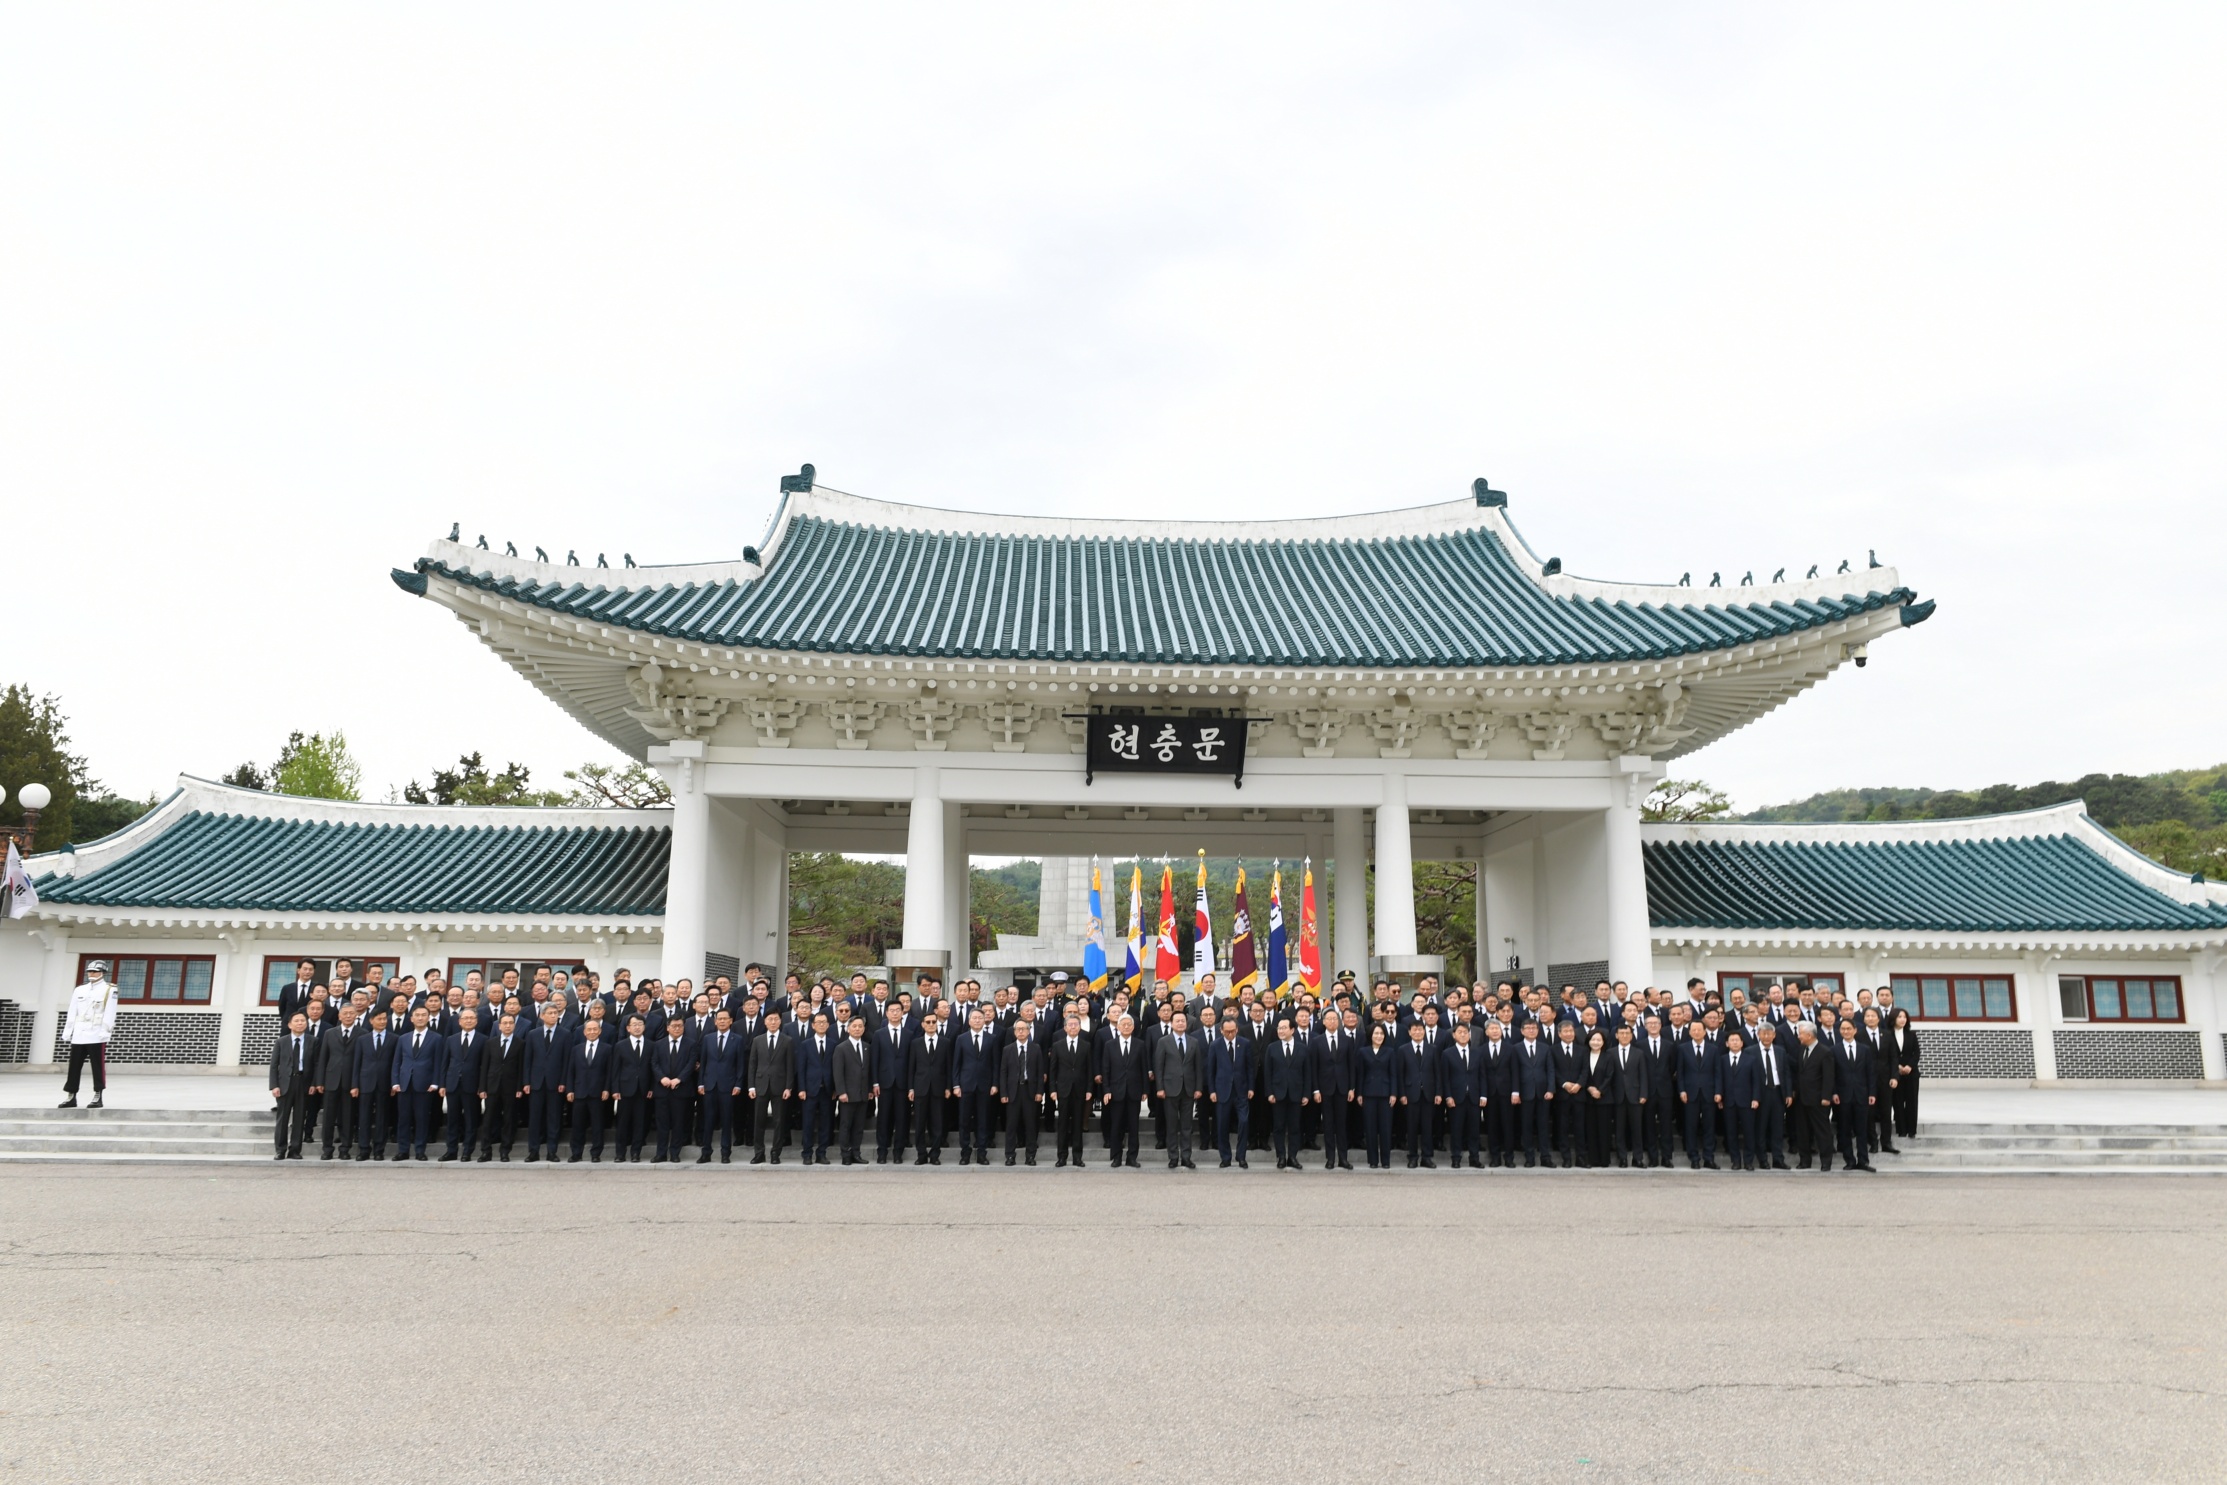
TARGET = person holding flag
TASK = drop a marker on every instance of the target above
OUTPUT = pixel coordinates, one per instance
(1094, 945)
(1244, 971)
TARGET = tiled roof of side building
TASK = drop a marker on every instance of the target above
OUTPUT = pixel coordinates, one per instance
(1445, 585)
(2046, 870)
(262, 858)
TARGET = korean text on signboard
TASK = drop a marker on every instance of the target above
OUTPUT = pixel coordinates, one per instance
(1131, 743)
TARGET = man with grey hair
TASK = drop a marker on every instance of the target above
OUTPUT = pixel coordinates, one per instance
(86, 1026)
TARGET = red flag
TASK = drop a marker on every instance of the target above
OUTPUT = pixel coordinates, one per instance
(1168, 963)
(1310, 950)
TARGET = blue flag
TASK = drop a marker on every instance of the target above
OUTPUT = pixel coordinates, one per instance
(1278, 972)
(1094, 947)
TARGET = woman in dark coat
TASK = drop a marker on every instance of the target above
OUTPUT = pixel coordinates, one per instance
(1901, 1044)
(1376, 1081)
(1602, 1091)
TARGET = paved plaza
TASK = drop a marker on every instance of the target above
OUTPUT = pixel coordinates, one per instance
(184, 1324)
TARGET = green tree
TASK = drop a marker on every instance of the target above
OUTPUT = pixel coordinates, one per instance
(634, 787)
(35, 748)
(471, 783)
(105, 814)
(1685, 799)
(317, 766)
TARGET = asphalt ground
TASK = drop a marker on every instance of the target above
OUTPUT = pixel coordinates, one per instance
(514, 1323)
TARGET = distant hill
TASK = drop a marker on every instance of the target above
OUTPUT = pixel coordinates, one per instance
(2179, 818)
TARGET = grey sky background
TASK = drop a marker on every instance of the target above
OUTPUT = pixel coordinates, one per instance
(284, 291)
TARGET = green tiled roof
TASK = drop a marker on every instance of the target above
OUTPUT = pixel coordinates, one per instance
(248, 863)
(2033, 883)
(1444, 598)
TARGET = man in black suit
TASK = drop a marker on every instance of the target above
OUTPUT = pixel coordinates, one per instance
(1178, 1077)
(772, 1086)
(371, 1074)
(502, 1078)
(627, 1085)
(295, 996)
(851, 1074)
(336, 1057)
(1122, 1082)
(1069, 1069)
(1461, 1095)
(416, 1082)
(1627, 1117)
(1418, 1094)
(1019, 1089)
(927, 1081)
(1815, 1083)
(1700, 1094)
(546, 1045)
(463, 1059)
(1856, 1079)
(1569, 1092)
(672, 1085)
(587, 1078)
(1334, 1049)
(1496, 1062)
(892, 1048)
(719, 1082)
(1287, 1081)
(1775, 1069)
(974, 1070)
(1533, 1096)
(292, 1067)
(1742, 1076)
(1658, 1118)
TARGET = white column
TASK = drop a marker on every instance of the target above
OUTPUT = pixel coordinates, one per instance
(925, 922)
(54, 992)
(688, 879)
(2202, 994)
(1484, 929)
(1395, 872)
(1349, 896)
(2038, 1009)
(236, 992)
(1631, 953)
(957, 890)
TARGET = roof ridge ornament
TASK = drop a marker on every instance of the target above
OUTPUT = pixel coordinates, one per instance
(1486, 495)
(799, 483)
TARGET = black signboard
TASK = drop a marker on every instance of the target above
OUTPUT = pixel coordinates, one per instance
(1130, 742)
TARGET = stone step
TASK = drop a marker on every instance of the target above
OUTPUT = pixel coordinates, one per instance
(2072, 1142)
(2053, 1158)
(126, 1116)
(230, 1128)
(120, 1148)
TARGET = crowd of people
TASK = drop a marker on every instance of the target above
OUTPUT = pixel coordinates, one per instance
(1491, 1076)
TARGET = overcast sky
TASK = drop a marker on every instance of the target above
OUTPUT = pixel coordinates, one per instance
(285, 291)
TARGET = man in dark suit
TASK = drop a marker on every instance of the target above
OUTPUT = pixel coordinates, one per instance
(546, 1045)
(1019, 1089)
(851, 1075)
(1775, 1071)
(927, 1082)
(1069, 1065)
(772, 1086)
(502, 1079)
(1815, 1083)
(815, 1086)
(1287, 1082)
(588, 1066)
(1627, 1116)
(1660, 1053)
(1533, 1096)
(1178, 1078)
(1742, 1078)
(292, 1066)
(892, 1049)
(1496, 1061)
(1855, 1077)
(974, 1070)
(373, 1074)
(672, 1085)
(415, 1081)
(462, 1059)
(1229, 1088)
(1333, 1062)
(627, 1086)
(336, 1060)
(295, 996)
(1700, 1094)
(719, 1081)
(1123, 1078)
(1570, 1097)
(1461, 1093)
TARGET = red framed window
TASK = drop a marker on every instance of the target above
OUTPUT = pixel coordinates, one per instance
(280, 970)
(1755, 984)
(1955, 997)
(157, 979)
(2152, 998)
